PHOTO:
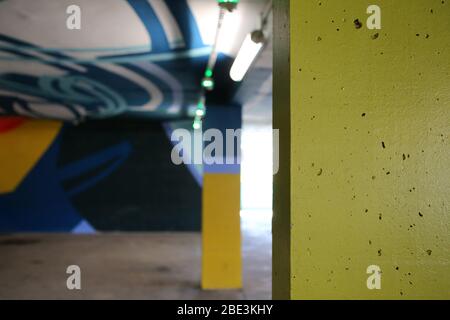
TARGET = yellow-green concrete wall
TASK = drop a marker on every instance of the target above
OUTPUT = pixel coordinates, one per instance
(369, 154)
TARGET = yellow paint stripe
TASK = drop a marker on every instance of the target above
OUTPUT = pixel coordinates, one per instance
(221, 235)
(21, 149)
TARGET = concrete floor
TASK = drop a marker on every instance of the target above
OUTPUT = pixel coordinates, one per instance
(126, 265)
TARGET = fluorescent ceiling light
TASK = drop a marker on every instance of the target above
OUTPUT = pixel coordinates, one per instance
(248, 52)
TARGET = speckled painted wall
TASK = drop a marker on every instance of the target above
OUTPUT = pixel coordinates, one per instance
(369, 149)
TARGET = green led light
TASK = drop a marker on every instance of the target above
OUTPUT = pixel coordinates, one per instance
(229, 5)
(208, 73)
(197, 124)
(200, 112)
(208, 83)
(201, 109)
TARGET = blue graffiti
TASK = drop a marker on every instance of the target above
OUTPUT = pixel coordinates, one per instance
(41, 202)
(110, 83)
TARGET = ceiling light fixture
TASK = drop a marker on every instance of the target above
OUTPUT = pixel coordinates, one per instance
(207, 83)
(230, 5)
(250, 48)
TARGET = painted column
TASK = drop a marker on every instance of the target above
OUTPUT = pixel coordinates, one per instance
(221, 235)
(363, 189)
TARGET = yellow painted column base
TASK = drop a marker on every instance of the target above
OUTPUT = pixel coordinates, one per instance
(221, 237)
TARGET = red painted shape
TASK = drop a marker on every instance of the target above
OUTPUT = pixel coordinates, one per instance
(10, 123)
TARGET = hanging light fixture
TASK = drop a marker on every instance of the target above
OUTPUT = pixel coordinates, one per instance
(250, 48)
(201, 108)
(252, 45)
(207, 83)
(230, 5)
(197, 123)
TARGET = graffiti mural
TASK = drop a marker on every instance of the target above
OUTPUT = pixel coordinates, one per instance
(136, 65)
(123, 61)
(94, 176)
